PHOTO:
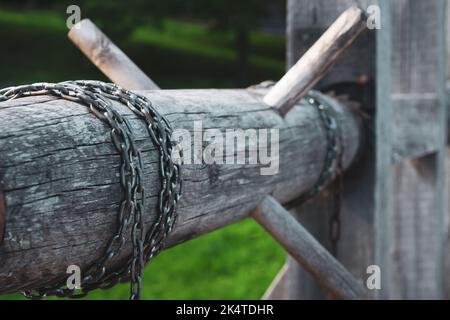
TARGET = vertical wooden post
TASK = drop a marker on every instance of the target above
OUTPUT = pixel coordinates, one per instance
(411, 197)
(384, 180)
(399, 189)
(447, 165)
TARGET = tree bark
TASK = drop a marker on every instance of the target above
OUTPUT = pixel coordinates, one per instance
(59, 172)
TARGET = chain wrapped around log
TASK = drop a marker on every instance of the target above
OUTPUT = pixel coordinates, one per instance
(60, 174)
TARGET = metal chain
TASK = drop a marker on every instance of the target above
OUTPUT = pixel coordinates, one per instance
(332, 165)
(98, 96)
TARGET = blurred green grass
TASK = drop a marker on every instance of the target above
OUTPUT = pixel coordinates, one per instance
(175, 54)
(236, 262)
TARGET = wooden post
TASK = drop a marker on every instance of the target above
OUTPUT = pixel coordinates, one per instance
(307, 251)
(317, 60)
(112, 61)
(411, 204)
(60, 174)
(384, 181)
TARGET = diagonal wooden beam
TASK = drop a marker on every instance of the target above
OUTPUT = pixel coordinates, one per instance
(313, 65)
(301, 245)
(104, 54)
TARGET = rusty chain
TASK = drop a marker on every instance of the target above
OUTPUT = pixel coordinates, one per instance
(332, 166)
(98, 96)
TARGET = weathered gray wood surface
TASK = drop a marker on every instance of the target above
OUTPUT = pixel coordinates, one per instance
(383, 162)
(317, 260)
(317, 61)
(412, 133)
(307, 20)
(447, 182)
(2, 216)
(60, 175)
(104, 54)
(411, 206)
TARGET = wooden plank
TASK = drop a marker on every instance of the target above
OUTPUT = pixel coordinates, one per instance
(410, 224)
(59, 173)
(314, 64)
(414, 132)
(447, 165)
(301, 245)
(104, 54)
(448, 43)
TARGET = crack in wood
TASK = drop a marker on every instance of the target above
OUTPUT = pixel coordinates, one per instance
(2, 216)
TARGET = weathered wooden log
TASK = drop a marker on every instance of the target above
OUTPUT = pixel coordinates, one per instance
(301, 245)
(112, 61)
(59, 173)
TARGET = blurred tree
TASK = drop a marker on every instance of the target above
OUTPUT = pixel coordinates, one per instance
(239, 17)
(119, 18)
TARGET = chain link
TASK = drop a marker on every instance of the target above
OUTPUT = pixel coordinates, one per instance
(332, 165)
(98, 96)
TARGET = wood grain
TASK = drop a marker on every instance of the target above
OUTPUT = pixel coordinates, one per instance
(307, 20)
(104, 54)
(412, 197)
(60, 174)
(308, 252)
(2, 216)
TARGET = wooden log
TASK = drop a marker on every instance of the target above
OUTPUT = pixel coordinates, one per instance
(317, 60)
(59, 173)
(301, 245)
(112, 61)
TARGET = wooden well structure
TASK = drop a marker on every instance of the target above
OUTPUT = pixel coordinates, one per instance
(387, 88)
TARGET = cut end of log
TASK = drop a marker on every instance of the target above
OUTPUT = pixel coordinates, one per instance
(77, 26)
(2, 217)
